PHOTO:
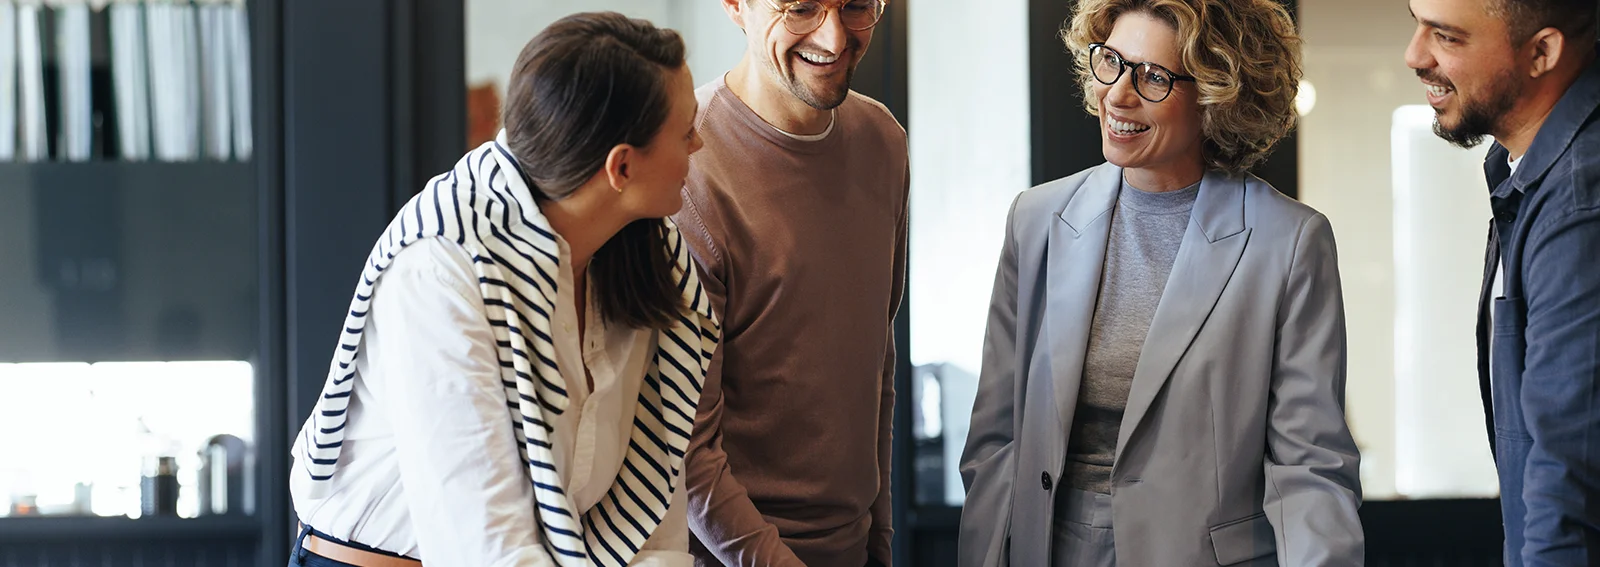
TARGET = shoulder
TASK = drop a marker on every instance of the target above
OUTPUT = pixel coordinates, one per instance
(874, 113)
(431, 261)
(459, 191)
(1574, 180)
(1271, 214)
(1036, 205)
(709, 98)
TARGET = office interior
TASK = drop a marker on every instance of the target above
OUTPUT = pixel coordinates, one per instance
(168, 304)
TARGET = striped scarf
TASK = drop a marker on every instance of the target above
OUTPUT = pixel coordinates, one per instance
(484, 205)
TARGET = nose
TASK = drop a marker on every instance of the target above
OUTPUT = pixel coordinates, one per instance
(695, 143)
(1121, 94)
(1417, 56)
(831, 35)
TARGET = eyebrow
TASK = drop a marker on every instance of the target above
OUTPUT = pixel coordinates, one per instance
(1441, 26)
(1446, 27)
(1125, 58)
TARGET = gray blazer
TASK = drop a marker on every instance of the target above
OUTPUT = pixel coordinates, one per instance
(1233, 449)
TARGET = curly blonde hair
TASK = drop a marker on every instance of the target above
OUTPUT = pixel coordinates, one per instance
(1244, 55)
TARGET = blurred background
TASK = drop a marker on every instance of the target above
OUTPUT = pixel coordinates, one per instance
(187, 190)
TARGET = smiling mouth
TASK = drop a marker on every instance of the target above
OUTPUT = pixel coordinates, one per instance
(818, 59)
(1437, 91)
(1124, 127)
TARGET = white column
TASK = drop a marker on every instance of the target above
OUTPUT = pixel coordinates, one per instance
(1441, 216)
(969, 126)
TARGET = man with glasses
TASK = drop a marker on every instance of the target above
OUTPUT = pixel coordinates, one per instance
(796, 213)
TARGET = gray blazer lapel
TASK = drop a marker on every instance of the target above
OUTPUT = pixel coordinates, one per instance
(1076, 256)
(1210, 251)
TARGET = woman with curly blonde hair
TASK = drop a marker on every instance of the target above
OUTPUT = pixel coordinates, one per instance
(1164, 367)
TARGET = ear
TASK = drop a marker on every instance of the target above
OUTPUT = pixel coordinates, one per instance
(1548, 47)
(618, 171)
(735, 10)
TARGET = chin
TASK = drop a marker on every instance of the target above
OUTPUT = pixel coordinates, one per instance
(1117, 158)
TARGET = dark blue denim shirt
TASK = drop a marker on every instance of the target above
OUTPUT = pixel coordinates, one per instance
(1544, 393)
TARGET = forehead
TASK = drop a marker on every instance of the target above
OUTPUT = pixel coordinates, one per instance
(1139, 36)
(681, 85)
(1469, 16)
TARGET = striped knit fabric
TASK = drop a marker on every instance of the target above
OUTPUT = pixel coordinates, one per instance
(480, 206)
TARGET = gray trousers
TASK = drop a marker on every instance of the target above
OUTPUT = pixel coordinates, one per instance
(1082, 531)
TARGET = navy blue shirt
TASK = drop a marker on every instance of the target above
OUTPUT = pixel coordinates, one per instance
(1544, 397)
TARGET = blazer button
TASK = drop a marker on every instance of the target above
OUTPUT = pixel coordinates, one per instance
(1044, 480)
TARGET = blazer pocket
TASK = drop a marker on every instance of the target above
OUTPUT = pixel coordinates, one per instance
(1243, 539)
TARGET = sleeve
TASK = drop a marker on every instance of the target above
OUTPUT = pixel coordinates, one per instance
(880, 544)
(438, 378)
(1560, 395)
(988, 461)
(721, 514)
(1312, 465)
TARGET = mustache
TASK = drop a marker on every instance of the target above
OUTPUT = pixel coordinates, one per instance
(1430, 76)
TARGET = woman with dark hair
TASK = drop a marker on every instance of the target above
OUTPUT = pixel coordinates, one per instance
(1164, 366)
(520, 367)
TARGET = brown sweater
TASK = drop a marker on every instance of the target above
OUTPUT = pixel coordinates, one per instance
(802, 246)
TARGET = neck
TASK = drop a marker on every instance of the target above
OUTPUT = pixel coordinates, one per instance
(774, 103)
(585, 220)
(1522, 124)
(1164, 179)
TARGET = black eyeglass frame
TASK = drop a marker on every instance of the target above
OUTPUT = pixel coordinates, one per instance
(783, 7)
(1138, 67)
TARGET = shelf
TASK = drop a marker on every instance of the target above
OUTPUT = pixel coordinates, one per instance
(39, 529)
(126, 174)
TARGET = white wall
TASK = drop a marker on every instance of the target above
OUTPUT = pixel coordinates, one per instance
(498, 29)
(715, 42)
(1441, 446)
(969, 157)
(1354, 55)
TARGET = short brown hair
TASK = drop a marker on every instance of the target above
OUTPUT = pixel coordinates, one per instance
(1575, 19)
(1244, 55)
(582, 86)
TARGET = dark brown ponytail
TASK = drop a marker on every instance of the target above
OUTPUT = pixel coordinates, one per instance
(585, 84)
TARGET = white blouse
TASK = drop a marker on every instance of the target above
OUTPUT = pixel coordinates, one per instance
(430, 468)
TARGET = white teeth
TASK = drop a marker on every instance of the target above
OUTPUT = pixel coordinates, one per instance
(1438, 91)
(1126, 127)
(819, 59)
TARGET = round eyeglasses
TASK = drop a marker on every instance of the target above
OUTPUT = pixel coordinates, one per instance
(801, 17)
(1153, 82)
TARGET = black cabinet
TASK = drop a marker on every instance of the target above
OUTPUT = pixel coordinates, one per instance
(129, 262)
(353, 104)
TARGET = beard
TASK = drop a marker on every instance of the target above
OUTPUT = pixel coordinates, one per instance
(826, 98)
(1480, 117)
